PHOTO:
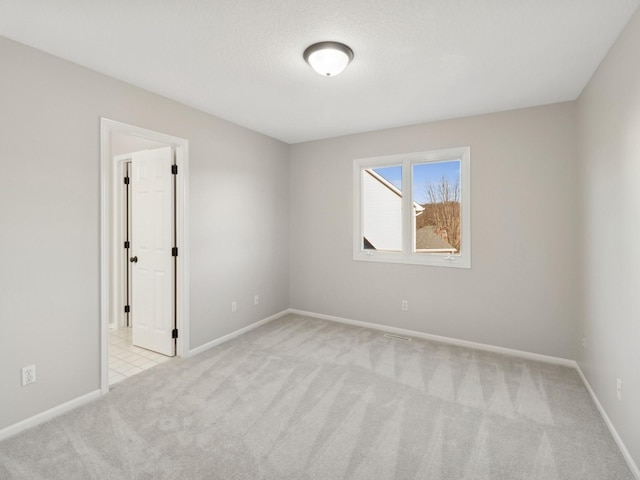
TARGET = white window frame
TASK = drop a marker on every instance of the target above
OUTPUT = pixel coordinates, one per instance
(407, 255)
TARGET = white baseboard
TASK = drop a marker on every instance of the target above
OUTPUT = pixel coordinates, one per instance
(226, 338)
(614, 433)
(89, 397)
(491, 348)
(437, 338)
(48, 414)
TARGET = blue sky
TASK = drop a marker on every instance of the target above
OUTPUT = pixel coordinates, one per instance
(423, 174)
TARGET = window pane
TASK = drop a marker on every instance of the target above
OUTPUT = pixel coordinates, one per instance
(436, 203)
(382, 208)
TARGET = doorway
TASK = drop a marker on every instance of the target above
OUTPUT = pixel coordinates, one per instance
(155, 173)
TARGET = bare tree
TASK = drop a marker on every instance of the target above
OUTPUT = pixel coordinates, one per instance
(442, 210)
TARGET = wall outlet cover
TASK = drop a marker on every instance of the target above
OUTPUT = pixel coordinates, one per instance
(28, 375)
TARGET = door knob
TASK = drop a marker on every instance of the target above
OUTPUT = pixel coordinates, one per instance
(133, 259)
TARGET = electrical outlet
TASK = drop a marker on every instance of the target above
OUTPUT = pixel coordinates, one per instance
(28, 375)
(256, 300)
(584, 342)
(405, 305)
(234, 306)
(619, 389)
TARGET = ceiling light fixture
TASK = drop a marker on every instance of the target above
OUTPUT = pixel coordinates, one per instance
(328, 58)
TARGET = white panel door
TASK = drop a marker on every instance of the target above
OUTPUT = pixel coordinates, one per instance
(152, 282)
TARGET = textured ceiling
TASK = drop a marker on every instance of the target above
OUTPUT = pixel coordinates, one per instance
(415, 61)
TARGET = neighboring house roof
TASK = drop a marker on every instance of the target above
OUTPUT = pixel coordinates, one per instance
(367, 245)
(428, 239)
(417, 207)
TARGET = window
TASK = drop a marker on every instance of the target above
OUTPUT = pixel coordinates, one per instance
(413, 208)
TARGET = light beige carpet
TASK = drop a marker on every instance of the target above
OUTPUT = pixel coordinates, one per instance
(308, 399)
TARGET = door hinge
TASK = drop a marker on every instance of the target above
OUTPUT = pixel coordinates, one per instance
(126, 180)
(174, 169)
(127, 309)
(174, 251)
(127, 244)
(174, 333)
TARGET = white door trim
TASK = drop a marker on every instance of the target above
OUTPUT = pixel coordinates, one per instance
(107, 244)
(119, 257)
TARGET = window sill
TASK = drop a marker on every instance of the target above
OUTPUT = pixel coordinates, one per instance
(433, 260)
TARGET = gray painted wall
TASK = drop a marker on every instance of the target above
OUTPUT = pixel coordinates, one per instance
(609, 113)
(50, 113)
(522, 290)
(121, 144)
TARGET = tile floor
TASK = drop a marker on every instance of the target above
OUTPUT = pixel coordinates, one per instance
(125, 359)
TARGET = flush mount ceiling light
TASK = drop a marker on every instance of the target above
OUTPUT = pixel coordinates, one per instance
(328, 58)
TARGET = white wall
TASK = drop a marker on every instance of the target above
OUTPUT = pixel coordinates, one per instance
(609, 114)
(381, 214)
(50, 113)
(522, 290)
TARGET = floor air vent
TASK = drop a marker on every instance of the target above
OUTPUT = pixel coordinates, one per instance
(397, 337)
